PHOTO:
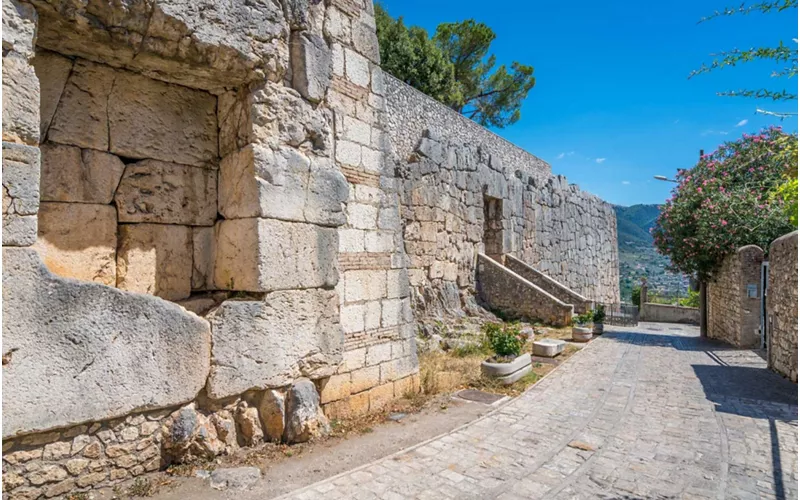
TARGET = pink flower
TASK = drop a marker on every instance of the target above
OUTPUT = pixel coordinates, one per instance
(724, 222)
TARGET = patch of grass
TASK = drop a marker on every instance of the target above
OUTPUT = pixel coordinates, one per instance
(465, 350)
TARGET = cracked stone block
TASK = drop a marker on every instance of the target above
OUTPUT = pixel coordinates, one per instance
(20, 100)
(271, 342)
(81, 117)
(20, 194)
(52, 71)
(155, 259)
(78, 240)
(263, 255)
(72, 174)
(110, 350)
(167, 193)
(153, 119)
(311, 65)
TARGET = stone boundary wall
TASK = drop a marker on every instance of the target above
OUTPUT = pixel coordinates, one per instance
(505, 291)
(782, 306)
(665, 313)
(412, 112)
(549, 285)
(733, 316)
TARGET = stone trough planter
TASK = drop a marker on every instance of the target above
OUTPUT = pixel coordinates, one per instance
(508, 373)
(581, 334)
(548, 348)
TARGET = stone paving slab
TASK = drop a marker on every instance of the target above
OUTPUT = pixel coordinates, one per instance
(659, 413)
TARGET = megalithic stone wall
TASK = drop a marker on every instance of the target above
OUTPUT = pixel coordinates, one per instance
(782, 306)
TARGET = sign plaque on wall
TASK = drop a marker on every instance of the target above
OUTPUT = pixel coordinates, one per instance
(752, 291)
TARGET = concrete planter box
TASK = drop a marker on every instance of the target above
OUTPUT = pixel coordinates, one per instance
(597, 329)
(581, 334)
(508, 373)
(548, 348)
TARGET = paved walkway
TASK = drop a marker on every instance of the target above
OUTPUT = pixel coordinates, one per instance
(664, 413)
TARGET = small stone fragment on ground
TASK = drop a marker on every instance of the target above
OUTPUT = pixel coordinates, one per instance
(239, 478)
(580, 445)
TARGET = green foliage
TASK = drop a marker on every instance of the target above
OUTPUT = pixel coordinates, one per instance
(504, 339)
(411, 56)
(724, 203)
(787, 190)
(783, 56)
(583, 319)
(599, 313)
(636, 295)
(693, 300)
(455, 68)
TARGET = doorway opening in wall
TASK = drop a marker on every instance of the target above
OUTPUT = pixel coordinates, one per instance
(493, 227)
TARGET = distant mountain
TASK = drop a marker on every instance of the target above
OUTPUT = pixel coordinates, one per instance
(638, 256)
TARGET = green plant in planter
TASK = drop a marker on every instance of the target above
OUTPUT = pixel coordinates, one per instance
(505, 340)
(599, 314)
(583, 319)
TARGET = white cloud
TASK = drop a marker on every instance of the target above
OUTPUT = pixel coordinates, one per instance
(560, 156)
(600, 160)
(626, 182)
(742, 123)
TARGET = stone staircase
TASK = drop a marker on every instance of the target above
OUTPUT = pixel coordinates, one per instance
(516, 289)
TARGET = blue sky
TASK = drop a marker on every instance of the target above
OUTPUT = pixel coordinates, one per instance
(612, 105)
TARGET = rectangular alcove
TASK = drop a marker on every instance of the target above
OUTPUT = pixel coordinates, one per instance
(493, 227)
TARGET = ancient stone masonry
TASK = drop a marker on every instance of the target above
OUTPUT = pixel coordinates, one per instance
(213, 216)
(782, 306)
(734, 298)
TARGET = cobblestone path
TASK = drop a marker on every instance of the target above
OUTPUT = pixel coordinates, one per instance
(646, 412)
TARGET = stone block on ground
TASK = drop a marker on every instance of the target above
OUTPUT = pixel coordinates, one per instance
(262, 255)
(78, 240)
(167, 193)
(269, 343)
(112, 351)
(152, 119)
(155, 259)
(304, 417)
(71, 174)
(548, 348)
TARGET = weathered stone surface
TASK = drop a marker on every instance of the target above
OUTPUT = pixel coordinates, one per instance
(249, 425)
(152, 119)
(167, 193)
(74, 175)
(191, 436)
(305, 419)
(155, 259)
(113, 351)
(733, 314)
(81, 117)
(52, 71)
(270, 343)
(237, 479)
(782, 306)
(20, 194)
(281, 184)
(19, 27)
(272, 411)
(311, 65)
(247, 251)
(280, 116)
(20, 100)
(204, 248)
(78, 240)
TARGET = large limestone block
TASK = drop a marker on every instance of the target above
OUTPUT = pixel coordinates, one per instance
(312, 65)
(52, 71)
(270, 343)
(19, 27)
(78, 240)
(204, 250)
(281, 184)
(81, 117)
(20, 100)
(167, 193)
(83, 176)
(20, 194)
(153, 119)
(263, 255)
(155, 259)
(78, 352)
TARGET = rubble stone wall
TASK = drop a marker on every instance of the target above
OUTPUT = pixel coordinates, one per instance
(782, 306)
(733, 314)
(464, 192)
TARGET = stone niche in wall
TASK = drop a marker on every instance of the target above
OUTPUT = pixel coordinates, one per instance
(129, 177)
